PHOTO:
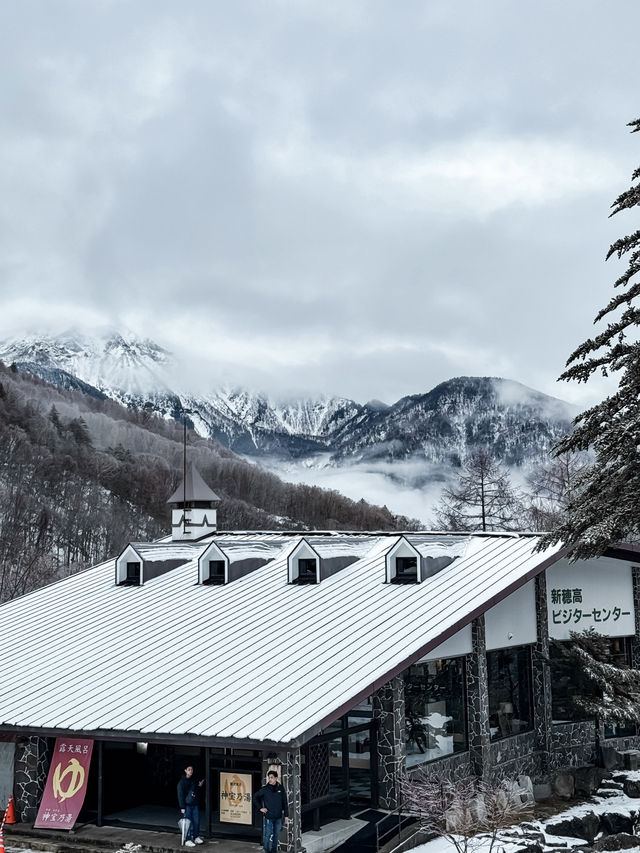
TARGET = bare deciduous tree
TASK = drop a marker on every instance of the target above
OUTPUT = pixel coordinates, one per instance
(468, 813)
(551, 488)
(483, 499)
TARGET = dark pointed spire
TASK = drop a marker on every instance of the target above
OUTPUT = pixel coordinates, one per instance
(193, 488)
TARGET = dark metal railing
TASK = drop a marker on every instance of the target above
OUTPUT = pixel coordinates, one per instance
(399, 822)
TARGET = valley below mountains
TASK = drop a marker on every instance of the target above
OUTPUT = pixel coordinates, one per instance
(400, 455)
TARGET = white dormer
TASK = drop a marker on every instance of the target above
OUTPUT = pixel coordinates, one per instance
(303, 565)
(213, 566)
(403, 563)
(129, 566)
(194, 509)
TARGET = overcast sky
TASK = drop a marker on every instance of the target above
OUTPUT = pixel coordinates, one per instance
(363, 198)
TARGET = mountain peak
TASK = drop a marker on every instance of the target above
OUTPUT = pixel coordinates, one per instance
(106, 359)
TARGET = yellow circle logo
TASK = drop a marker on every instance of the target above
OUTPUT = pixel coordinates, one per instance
(72, 775)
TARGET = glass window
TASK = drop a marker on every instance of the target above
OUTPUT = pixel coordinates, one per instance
(620, 652)
(216, 572)
(568, 681)
(133, 574)
(306, 571)
(406, 570)
(435, 710)
(509, 684)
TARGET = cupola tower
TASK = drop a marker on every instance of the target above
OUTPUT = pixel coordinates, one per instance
(193, 508)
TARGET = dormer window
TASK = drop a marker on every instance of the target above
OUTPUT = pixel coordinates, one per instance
(213, 566)
(303, 564)
(217, 573)
(403, 563)
(307, 571)
(406, 570)
(132, 578)
(131, 568)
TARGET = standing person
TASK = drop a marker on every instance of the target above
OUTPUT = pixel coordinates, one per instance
(272, 802)
(188, 801)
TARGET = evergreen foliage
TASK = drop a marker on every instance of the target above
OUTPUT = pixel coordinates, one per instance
(483, 499)
(610, 691)
(604, 508)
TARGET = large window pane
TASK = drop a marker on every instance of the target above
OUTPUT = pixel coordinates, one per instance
(620, 652)
(435, 712)
(510, 707)
(567, 680)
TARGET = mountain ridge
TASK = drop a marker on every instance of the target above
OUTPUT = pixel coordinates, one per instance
(436, 429)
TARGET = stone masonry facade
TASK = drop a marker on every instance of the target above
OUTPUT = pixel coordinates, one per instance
(539, 753)
(388, 710)
(32, 758)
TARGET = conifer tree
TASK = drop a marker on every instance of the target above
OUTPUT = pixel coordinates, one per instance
(610, 691)
(54, 417)
(604, 508)
(483, 498)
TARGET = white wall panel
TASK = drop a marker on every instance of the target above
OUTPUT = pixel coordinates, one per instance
(7, 751)
(454, 647)
(512, 622)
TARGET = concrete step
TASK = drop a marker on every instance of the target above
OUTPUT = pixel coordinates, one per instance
(331, 835)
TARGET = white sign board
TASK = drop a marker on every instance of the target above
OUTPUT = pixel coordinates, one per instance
(590, 594)
(512, 622)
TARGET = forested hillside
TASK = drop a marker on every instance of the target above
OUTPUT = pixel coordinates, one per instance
(80, 477)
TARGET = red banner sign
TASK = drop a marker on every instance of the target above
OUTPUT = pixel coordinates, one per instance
(66, 784)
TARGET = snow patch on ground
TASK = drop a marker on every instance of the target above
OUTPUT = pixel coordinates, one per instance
(619, 804)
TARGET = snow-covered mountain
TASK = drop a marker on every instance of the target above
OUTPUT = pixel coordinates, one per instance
(118, 365)
(420, 437)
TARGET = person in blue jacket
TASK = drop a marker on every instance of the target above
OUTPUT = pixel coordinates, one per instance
(188, 802)
(271, 799)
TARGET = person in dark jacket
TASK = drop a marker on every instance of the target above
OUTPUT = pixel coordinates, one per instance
(188, 802)
(271, 799)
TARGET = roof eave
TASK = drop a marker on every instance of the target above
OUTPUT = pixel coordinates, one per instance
(624, 551)
(145, 737)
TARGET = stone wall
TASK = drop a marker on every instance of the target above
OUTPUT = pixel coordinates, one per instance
(572, 745)
(478, 700)
(541, 672)
(32, 758)
(453, 767)
(515, 756)
(387, 705)
(293, 777)
(622, 743)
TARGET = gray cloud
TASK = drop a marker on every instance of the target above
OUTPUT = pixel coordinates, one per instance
(349, 197)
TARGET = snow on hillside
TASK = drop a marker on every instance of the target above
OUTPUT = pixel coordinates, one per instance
(120, 365)
(400, 454)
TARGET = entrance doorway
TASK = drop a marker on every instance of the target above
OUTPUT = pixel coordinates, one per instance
(134, 785)
(234, 773)
(340, 771)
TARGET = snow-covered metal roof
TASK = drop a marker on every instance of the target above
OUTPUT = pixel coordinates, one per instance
(152, 552)
(257, 659)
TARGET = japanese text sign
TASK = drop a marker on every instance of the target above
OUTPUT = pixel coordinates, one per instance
(66, 784)
(594, 593)
(235, 798)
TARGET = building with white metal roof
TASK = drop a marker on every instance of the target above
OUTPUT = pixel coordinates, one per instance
(343, 659)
